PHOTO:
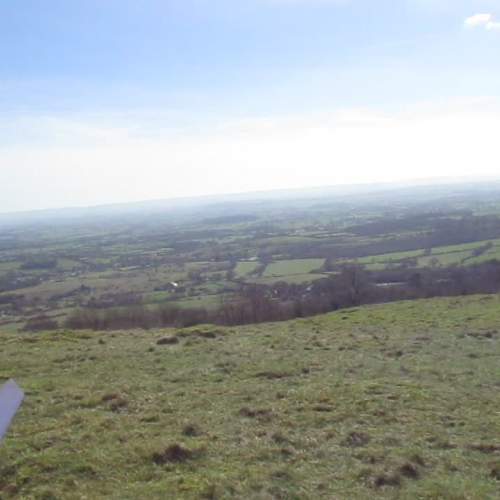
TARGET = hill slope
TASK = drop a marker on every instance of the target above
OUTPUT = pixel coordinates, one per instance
(389, 401)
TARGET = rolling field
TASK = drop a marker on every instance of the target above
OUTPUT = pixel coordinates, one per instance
(292, 267)
(396, 401)
(293, 278)
(243, 269)
(442, 256)
(445, 259)
(390, 257)
(200, 254)
(493, 253)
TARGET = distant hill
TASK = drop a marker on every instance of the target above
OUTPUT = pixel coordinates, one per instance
(418, 189)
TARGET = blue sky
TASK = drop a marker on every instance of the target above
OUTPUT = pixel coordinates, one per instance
(117, 100)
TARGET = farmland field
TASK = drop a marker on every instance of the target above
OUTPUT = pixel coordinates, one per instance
(445, 259)
(292, 278)
(292, 267)
(243, 269)
(198, 256)
(442, 256)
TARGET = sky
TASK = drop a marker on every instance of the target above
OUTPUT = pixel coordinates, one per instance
(105, 101)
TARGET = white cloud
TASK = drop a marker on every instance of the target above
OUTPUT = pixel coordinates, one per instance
(485, 20)
(341, 146)
(478, 19)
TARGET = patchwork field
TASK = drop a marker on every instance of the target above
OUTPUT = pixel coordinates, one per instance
(428, 242)
(292, 267)
(438, 256)
(292, 278)
(396, 401)
(244, 269)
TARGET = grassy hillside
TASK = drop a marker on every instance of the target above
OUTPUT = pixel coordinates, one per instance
(397, 401)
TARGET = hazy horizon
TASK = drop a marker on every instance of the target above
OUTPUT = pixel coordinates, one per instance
(340, 190)
(108, 103)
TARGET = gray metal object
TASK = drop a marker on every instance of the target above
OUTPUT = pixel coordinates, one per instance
(11, 397)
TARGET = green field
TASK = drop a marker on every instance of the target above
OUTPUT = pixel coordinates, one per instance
(68, 264)
(493, 253)
(203, 301)
(445, 259)
(293, 278)
(197, 254)
(243, 269)
(5, 267)
(292, 267)
(390, 257)
(443, 256)
(464, 247)
(396, 401)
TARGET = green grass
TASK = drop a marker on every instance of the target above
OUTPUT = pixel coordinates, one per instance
(465, 246)
(321, 408)
(390, 257)
(211, 286)
(294, 278)
(49, 288)
(68, 264)
(12, 327)
(5, 267)
(201, 301)
(493, 253)
(156, 297)
(375, 267)
(291, 267)
(447, 255)
(98, 261)
(446, 259)
(286, 240)
(243, 269)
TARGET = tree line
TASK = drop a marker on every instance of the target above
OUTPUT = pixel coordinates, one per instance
(352, 287)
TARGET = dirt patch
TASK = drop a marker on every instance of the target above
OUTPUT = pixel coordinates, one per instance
(116, 401)
(109, 397)
(201, 333)
(86, 470)
(207, 335)
(174, 453)
(409, 471)
(323, 408)
(417, 459)
(398, 354)
(270, 375)
(369, 458)
(356, 439)
(482, 335)
(168, 341)
(441, 444)
(30, 340)
(277, 437)
(12, 489)
(495, 473)
(384, 480)
(424, 339)
(485, 448)
(190, 430)
(263, 415)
